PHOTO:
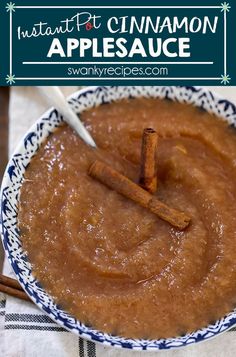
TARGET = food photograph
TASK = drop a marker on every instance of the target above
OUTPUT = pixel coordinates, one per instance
(118, 221)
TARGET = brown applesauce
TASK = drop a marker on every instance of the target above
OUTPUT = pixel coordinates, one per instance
(110, 262)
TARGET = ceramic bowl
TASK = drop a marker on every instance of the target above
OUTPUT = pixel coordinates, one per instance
(13, 178)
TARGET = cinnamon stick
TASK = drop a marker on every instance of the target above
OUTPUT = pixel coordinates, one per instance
(121, 184)
(12, 287)
(5, 280)
(20, 294)
(148, 175)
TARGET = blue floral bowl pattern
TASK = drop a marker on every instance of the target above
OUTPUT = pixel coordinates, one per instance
(13, 178)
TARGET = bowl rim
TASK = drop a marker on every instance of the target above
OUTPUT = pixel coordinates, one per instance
(87, 332)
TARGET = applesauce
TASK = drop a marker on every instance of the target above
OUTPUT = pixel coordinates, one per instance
(112, 263)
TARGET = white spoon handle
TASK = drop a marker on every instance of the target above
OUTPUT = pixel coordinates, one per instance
(55, 98)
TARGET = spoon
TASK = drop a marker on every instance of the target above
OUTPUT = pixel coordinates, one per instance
(55, 98)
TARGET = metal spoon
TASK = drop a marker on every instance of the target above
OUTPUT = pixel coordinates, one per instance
(55, 98)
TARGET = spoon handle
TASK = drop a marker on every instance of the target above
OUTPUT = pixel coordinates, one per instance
(55, 98)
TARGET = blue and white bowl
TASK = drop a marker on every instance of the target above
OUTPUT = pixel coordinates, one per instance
(13, 178)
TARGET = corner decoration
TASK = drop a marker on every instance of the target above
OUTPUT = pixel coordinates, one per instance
(10, 78)
(83, 43)
(225, 7)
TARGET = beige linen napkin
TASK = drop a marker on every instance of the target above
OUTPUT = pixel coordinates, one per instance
(24, 330)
